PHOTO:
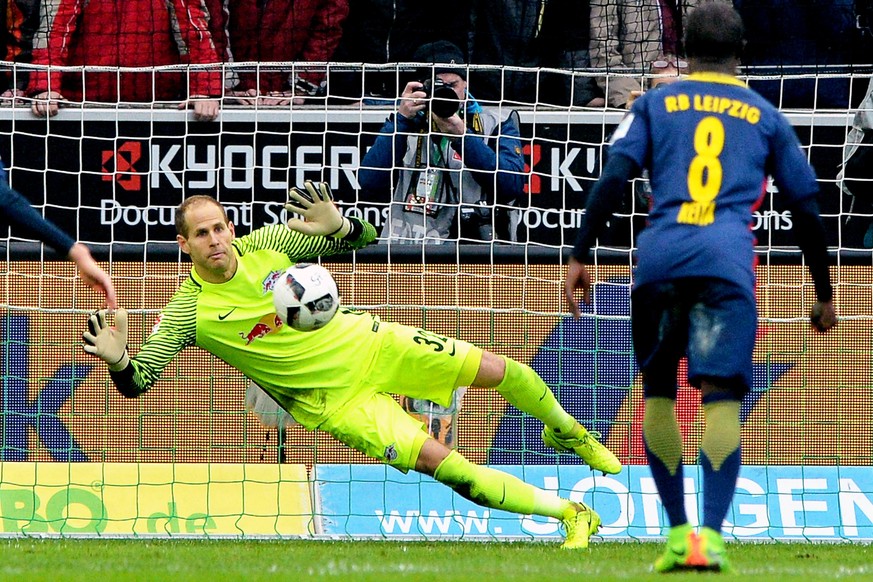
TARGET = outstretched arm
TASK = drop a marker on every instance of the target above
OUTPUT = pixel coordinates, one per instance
(18, 212)
(799, 189)
(813, 245)
(109, 343)
(321, 217)
(91, 273)
(319, 230)
(604, 199)
(175, 329)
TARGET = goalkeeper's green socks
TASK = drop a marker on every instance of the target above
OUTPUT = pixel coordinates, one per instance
(498, 490)
(719, 458)
(663, 443)
(524, 389)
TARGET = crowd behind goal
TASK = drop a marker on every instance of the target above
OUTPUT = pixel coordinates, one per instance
(527, 55)
(547, 37)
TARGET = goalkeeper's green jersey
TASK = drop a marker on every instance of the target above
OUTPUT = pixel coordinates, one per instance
(236, 321)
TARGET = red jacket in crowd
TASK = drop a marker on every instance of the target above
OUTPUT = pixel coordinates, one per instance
(284, 30)
(127, 33)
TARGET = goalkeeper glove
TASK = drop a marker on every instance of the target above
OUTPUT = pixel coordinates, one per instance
(108, 343)
(321, 217)
(266, 409)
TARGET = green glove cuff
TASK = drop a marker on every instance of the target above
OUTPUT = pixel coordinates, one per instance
(344, 229)
(121, 363)
(359, 230)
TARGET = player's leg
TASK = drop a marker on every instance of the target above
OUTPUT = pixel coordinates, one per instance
(720, 464)
(719, 452)
(522, 387)
(499, 490)
(659, 324)
(380, 428)
(421, 364)
(721, 342)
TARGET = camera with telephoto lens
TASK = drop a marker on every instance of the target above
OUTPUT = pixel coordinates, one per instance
(476, 222)
(444, 101)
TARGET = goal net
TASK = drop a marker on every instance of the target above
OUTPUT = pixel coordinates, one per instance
(188, 459)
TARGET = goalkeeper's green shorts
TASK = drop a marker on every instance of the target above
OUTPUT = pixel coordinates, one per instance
(413, 362)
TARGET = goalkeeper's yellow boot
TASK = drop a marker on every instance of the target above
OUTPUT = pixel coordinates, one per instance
(585, 444)
(581, 522)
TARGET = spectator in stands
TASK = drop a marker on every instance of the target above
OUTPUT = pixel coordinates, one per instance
(133, 33)
(531, 34)
(267, 31)
(792, 38)
(454, 159)
(628, 34)
(389, 31)
(856, 177)
(216, 11)
(665, 69)
(22, 20)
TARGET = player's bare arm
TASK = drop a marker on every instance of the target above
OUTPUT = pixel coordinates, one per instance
(813, 245)
(577, 278)
(602, 202)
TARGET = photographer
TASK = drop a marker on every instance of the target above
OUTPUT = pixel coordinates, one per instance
(456, 167)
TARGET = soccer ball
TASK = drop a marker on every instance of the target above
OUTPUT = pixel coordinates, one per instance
(305, 296)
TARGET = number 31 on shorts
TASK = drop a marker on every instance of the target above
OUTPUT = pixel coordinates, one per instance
(437, 342)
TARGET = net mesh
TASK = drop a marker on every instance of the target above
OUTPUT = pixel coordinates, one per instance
(111, 175)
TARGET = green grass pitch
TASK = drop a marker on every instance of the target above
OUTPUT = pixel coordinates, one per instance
(103, 560)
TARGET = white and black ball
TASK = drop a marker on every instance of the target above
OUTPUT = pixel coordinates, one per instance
(305, 296)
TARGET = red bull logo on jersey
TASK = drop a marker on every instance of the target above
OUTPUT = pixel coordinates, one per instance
(267, 324)
(270, 281)
(157, 323)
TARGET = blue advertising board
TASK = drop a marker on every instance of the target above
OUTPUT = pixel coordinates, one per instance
(772, 503)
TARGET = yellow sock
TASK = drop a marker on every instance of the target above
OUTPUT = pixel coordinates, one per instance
(496, 489)
(661, 432)
(721, 437)
(524, 389)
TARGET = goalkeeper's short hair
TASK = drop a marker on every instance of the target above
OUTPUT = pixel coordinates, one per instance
(182, 211)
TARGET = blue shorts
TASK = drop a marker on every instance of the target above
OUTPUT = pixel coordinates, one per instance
(712, 321)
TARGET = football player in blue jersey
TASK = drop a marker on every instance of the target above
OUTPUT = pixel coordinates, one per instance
(708, 143)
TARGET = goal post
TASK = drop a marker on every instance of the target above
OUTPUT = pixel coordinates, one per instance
(111, 176)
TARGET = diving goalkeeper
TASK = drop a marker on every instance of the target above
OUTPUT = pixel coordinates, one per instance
(339, 378)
